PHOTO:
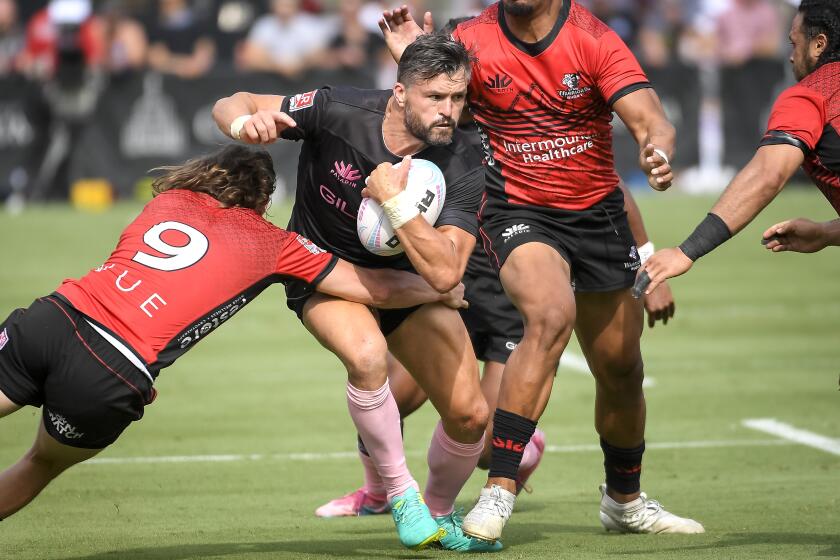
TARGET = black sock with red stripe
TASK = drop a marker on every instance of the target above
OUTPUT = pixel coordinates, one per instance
(623, 467)
(511, 433)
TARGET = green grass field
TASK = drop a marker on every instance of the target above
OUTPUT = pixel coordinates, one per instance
(756, 335)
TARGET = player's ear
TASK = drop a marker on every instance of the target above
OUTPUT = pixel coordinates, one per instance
(399, 94)
(819, 44)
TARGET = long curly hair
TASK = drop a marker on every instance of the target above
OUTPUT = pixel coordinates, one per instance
(823, 16)
(234, 175)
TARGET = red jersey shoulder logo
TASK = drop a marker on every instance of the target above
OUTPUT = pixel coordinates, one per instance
(573, 89)
(302, 101)
(309, 245)
(500, 83)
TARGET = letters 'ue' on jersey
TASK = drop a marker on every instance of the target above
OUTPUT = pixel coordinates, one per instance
(807, 115)
(545, 108)
(183, 267)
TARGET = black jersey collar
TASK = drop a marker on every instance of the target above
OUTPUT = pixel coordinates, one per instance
(535, 49)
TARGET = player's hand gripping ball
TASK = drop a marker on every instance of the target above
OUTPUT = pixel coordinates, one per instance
(427, 189)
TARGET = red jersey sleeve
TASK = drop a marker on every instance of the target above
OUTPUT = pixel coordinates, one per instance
(301, 258)
(617, 72)
(797, 118)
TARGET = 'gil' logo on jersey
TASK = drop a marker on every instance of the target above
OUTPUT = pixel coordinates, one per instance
(345, 173)
(500, 83)
(573, 89)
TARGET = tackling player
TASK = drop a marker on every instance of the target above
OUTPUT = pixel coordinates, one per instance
(804, 130)
(194, 257)
(547, 77)
(347, 135)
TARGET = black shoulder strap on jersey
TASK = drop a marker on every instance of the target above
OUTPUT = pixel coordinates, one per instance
(774, 137)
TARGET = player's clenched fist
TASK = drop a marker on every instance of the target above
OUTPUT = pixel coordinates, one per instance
(263, 127)
(454, 298)
(657, 168)
(387, 181)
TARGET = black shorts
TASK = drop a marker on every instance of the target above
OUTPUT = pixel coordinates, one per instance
(298, 293)
(596, 242)
(51, 356)
(494, 324)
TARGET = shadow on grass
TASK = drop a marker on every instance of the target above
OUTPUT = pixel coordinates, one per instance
(360, 546)
(734, 540)
(356, 548)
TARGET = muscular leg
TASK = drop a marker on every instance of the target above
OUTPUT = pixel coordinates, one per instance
(451, 381)
(362, 349)
(20, 483)
(609, 326)
(537, 280)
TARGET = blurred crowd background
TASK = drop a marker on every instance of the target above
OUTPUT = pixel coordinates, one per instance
(94, 93)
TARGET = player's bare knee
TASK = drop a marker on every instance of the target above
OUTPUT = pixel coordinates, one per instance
(550, 332)
(619, 375)
(469, 421)
(367, 369)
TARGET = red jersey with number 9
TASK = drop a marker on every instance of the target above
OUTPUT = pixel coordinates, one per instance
(545, 108)
(183, 267)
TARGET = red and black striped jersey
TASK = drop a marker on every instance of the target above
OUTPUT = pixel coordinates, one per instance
(183, 267)
(807, 115)
(545, 108)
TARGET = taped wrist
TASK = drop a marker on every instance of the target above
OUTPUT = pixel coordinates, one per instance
(711, 232)
(400, 209)
(646, 251)
(236, 126)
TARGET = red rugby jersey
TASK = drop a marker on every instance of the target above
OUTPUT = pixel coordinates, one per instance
(183, 267)
(807, 116)
(545, 108)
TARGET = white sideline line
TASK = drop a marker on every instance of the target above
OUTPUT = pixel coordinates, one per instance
(789, 433)
(340, 455)
(579, 365)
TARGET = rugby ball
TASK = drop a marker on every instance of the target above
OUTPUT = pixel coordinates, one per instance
(427, 189)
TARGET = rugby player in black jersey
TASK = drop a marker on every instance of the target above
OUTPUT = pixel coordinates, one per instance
(349, 134)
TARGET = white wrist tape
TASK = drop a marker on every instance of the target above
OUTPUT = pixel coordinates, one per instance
(400, 209)
(237, 124)
(646, 251)
(663, 154)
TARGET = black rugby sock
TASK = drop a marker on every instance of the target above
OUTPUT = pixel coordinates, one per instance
(511, 433)
(623, 467)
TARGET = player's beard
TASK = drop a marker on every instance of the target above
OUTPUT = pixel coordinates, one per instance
(434, 134)
(518, 9)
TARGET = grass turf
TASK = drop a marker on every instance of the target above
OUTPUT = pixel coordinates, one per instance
(756, 335)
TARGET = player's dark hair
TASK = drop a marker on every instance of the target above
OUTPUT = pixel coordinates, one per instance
(234, 175)
(822, 16)
(431, 55)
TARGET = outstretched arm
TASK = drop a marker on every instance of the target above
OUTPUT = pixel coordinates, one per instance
(642, 112)
(747, 195)
(802, 236)
(385, 288)
(251, 118)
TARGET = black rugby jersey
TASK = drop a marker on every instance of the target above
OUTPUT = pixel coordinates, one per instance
(342, 132)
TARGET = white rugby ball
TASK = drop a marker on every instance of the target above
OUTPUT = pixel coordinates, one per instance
(427, 189)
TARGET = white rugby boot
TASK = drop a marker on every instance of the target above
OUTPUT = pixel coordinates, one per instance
(643, 515)
(487, 519)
